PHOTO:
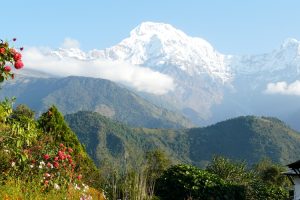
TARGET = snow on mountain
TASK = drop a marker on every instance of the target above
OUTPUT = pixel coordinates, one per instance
(156, 45)
(286, 58)
(70, 53)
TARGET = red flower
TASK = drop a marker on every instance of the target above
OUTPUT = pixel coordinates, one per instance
(46, 156)
(61, 145)
(56, 164)
(56, 158)
(79, 177)
(7, 68)
(19, 64)
(17, 56)
(2, 50)
(46, 182)
(70, 160)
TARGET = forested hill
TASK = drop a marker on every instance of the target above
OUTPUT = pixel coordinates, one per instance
(72, 94)
(244, 138)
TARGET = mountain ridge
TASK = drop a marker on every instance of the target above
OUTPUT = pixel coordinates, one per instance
(246, 138)
(72, 94)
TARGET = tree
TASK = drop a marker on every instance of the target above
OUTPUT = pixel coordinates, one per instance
(156, 164)
(271, 173)
(233, 172)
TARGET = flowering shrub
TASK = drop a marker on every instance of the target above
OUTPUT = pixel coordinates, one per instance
(53, 166)
(9, 56)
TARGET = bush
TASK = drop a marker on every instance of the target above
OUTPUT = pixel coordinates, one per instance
(185, 182)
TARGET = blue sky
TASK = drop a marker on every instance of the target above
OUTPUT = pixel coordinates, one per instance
(231, 26)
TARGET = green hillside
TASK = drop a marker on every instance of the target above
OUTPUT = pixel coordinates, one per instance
(245, 138)
(74, 94)
(111, 141)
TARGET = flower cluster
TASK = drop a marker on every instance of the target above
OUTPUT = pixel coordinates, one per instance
(55, 167)
(9, 56)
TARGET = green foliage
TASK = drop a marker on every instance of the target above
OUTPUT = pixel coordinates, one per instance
(230, 171)
(264, 181)
(109, 141)
(245, 138)
(47, 155)
(188, 182)
(6, 109)
(271, 173)
(52, 122)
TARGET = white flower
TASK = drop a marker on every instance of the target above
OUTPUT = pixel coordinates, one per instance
(31, 166)
(13, 164)
(56, 186)
(85, 187)
(76, 187)
(86, 197)
(42, 163)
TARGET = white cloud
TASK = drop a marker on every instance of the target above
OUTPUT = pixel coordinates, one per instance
(140, 78)
(70, 43)
(284, 88)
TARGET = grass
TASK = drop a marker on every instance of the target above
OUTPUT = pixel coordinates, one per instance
(19, 190)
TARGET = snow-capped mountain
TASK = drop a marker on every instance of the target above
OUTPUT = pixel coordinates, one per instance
(208, 83)
(157, 45)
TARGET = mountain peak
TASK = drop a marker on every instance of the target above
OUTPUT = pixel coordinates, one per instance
(160, 29)
(166, 33)
(290, 43)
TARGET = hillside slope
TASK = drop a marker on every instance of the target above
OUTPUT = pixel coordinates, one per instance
(244, 138)
(74, 94)
(111, 141)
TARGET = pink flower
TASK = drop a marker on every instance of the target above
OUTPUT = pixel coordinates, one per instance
(56, 158)
(61, 145)
(47, 175)
(19, 64)
(7, 68)
(49, 165)
(46, 156)
(70, 150)
(12, 50)
(79, 177)
(17, 56)
(46, 182)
